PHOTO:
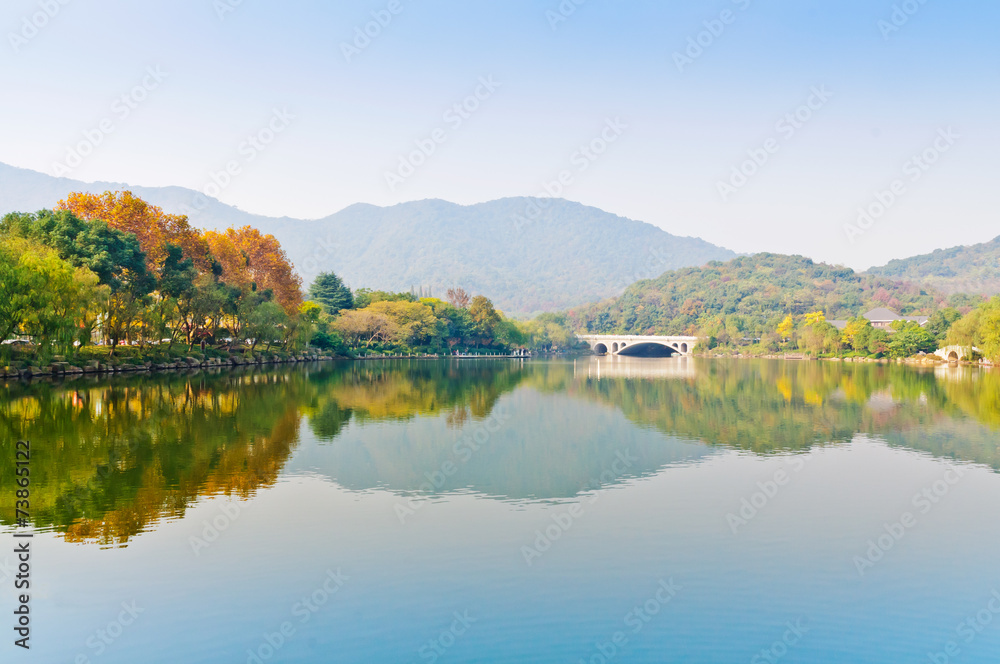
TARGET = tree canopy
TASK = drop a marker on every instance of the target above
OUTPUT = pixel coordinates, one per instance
(329, 290)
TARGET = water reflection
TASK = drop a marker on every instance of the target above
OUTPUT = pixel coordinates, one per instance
(114, 456)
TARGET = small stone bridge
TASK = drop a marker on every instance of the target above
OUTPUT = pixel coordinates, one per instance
(631, 344)
(956, 353)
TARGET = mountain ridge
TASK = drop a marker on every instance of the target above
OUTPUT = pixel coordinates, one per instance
(973, 268)
(568, 254)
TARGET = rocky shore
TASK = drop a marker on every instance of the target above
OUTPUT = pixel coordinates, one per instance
(59, 367)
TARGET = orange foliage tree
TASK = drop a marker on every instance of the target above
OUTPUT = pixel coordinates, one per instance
(247, 256)
(234, 263)
(151, 226)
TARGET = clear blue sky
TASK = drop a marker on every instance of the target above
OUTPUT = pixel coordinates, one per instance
(686, 127)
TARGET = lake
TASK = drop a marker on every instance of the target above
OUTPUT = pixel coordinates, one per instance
(596, 510)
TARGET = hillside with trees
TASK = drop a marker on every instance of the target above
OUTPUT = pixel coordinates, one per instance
(773, 302)
(967, 269)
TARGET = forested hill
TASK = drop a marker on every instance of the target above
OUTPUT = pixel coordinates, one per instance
(568, 254)
(752, 292)
(527, 255)
(968, 269)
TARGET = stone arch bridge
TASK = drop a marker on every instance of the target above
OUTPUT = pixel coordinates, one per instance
(632, 344)
(957, 353)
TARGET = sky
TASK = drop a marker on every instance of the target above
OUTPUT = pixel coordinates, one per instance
(849, 131)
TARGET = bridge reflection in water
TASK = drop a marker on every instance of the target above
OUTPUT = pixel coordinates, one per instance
(622, 366)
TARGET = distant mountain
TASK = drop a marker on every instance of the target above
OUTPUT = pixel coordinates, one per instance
(968, 269)
(526, 254)
(23, 190)
(757, 291)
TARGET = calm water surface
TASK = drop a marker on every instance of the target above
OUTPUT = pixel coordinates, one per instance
(597, 510)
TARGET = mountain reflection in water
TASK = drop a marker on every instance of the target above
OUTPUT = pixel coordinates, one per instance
(111, 457)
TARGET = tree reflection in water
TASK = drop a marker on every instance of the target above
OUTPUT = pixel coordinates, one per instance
(111, 457)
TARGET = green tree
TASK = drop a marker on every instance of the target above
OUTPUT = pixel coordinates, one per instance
(265, 324)
(484, 317)
(857, 334)
(941, 321)
(41, 294)
(16, 291)
(989, 331)
(980, 328)
(331, 293)
(365, 297)
(910, 338)
(878, 342)
(114, 256)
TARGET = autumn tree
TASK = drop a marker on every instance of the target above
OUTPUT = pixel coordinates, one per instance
(786, 327)
(414, 323)
(233, 262)
(457, 297)
(153, 228)
(363, 326)
(251, 259)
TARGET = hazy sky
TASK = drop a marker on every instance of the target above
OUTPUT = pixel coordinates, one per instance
(201, 76)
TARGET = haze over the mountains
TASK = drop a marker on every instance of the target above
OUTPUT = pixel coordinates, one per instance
(526, 254)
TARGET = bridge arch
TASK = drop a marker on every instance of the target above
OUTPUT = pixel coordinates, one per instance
(649, 349)
(634, 344)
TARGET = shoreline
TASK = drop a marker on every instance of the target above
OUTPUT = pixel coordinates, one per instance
(62, 368)
(96, 367)
(929, 360)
